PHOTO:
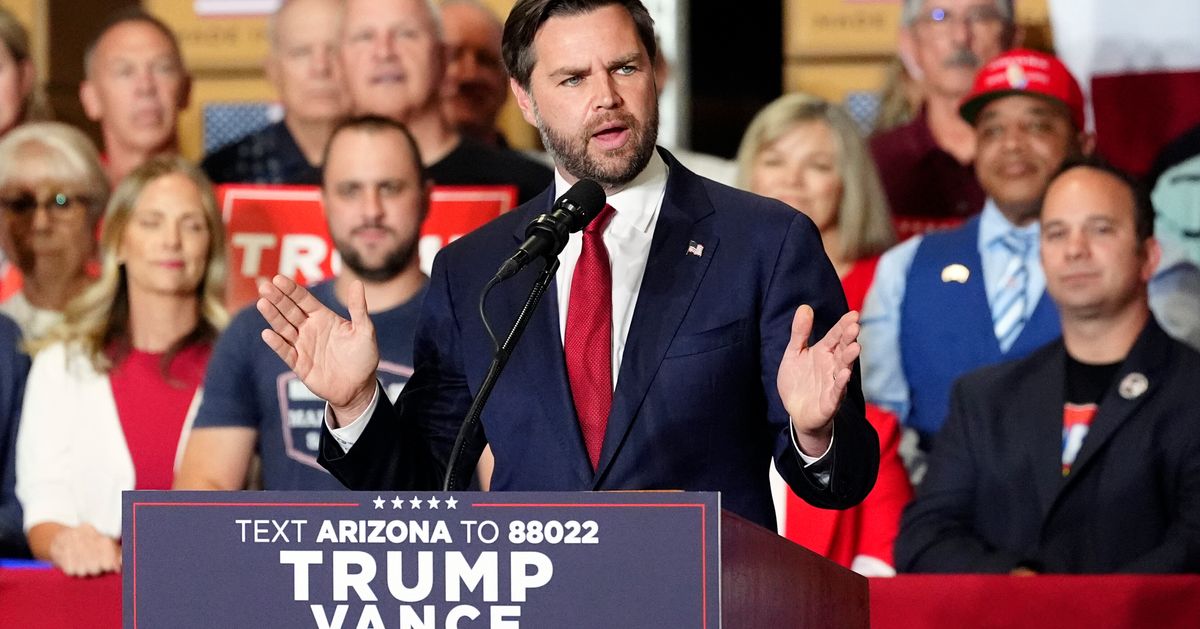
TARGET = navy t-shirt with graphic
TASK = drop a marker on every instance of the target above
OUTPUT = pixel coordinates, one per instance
(248, 385)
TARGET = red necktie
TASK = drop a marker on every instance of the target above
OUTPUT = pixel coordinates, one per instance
(588, 338)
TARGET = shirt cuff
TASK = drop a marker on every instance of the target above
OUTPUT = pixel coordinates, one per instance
(818, 467)
(347, 435)
(809, 460)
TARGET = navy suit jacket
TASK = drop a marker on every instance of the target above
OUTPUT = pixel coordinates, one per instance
(695, 406)
(995, 497)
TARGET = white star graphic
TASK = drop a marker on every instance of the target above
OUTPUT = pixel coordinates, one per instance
(397, 503)
(433, 502)
(452, 503)
(415, 502)
(378, 502)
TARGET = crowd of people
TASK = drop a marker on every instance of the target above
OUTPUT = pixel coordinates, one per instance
(1029, 313)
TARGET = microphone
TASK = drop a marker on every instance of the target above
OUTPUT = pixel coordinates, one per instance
(547, 234)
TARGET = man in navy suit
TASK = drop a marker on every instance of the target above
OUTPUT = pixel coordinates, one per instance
(1085, 456)
(691, 369)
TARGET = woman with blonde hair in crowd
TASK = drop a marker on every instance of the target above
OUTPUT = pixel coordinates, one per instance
(113, 388)
(52, 193)
(809, 154)
(21, 96)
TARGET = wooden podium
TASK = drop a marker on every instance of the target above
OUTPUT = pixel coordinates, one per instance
(770, 582)
(419, 560)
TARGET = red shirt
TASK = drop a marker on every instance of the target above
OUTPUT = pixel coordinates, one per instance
(152, 409)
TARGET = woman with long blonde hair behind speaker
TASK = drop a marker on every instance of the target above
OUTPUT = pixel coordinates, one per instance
(113, 388)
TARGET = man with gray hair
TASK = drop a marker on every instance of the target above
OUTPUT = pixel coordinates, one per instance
(927, 165)
(394, 60)
(475, 86)
(302, 66)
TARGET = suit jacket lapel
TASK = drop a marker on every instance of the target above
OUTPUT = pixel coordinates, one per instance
(1036, 413)
(542, 341)
(1120, 402)
(668, 285)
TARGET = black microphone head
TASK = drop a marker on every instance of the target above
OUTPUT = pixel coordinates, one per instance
(583, 202)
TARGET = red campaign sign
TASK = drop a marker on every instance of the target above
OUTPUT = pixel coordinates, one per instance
(281, 229)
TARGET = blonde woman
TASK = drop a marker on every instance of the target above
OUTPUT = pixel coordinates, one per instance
(112, 389)
(808, 153)
(52, 194)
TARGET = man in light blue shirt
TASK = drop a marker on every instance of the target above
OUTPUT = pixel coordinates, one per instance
(950, 302)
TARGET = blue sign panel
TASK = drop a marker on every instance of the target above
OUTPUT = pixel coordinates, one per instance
(424, 560)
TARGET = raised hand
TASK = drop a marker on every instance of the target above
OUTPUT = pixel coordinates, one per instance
(812, 380)
(335, 358)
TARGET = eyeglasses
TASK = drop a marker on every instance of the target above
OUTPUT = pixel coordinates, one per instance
(26, 203)
(980, 18)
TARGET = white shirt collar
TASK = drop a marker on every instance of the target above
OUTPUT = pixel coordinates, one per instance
(636, 202)
(993, 226)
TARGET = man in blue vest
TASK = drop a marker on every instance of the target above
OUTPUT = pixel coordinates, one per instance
(950, 302)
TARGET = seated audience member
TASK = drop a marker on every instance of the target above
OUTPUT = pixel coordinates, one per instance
(926, 164)
(953, 301)
(21, 97)
(52, 192)
(808, 153)
(134, 86)
(394, 60)
(14, 365)
(1083, 457)
(375, 198)
(475, 86)
(302, 66)
(111, 389)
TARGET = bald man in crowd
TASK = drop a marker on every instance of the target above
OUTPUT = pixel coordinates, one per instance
(394, 62)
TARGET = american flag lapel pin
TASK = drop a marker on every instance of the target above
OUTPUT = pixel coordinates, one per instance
(695, 249)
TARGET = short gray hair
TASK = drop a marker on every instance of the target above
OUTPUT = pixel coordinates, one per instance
(912, 10)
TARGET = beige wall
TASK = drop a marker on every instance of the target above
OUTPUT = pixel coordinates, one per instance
(833, 47)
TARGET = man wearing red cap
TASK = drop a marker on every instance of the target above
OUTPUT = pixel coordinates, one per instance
(951, 302)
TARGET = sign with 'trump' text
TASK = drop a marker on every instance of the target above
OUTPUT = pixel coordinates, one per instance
(420, 560)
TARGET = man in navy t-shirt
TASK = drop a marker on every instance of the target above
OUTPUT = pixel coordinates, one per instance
(375, 196)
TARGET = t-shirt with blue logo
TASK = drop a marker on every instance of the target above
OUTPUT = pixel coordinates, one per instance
(248, 385)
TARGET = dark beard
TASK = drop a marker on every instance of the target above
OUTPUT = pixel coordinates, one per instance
(571, 154)
(393, 264)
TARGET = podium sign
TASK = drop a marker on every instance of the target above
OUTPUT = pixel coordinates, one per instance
(416, 560)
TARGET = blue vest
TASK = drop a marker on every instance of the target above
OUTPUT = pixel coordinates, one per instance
(946, 326)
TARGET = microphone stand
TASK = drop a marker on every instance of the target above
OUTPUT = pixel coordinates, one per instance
(471, 432)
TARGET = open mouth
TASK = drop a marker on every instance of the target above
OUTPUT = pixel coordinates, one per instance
(611, 136)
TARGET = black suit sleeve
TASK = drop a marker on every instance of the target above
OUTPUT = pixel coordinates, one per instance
(936, 531)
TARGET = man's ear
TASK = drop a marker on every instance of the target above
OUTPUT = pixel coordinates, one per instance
(906, 51)
(90, 100)
(1153, 257)
(524, 101)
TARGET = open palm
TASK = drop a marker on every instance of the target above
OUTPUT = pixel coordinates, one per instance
(335, 358)
(812, 379)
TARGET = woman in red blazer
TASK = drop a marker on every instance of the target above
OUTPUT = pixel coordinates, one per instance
(808, 153)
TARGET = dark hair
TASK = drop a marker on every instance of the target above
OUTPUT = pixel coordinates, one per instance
(371, 123)
(1143, 207)
(129, 14)
(527, 17)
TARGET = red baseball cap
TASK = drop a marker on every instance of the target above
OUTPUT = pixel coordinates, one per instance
(1027, 72)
